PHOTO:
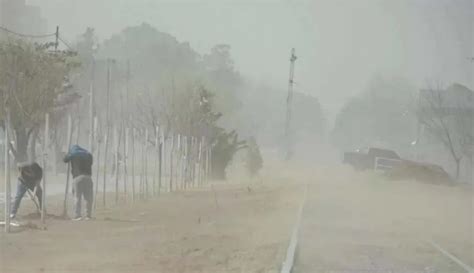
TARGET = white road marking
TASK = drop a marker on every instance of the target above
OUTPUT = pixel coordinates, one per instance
(290, 252)
(451, 257)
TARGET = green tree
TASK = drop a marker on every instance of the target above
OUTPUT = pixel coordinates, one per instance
(87, 47)
(223, 77)
(226, 145)
(33, 82)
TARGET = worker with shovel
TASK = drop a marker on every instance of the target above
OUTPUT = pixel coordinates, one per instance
(29, 181)
(81, 170)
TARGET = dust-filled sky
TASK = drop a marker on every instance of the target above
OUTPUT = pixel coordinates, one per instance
(341, 44)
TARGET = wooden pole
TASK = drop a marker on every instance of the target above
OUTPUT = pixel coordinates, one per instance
(175, 164)
(208, 151)
(96, 121)
(193, 161)
(133, 164)
(184, 169)
(45, 168)
(140, 184)
(196, 160)
(210, 161)
(107, 121)
(68, 172)
(125, 161)
(160, 154)
(184, 161)
(79, 123)
(142, 171)
(145, 155)
(164, 151)
(185, 165)
(155, 166)
(7, 171)
(289, 108)
(171, 163)
(200, 163)
(117, 162)
(206, 161)
(178, 164)
(104, 190)
(55, 154)
(91, 118)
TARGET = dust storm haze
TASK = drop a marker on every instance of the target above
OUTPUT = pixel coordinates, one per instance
(341, 44)
(209, 147)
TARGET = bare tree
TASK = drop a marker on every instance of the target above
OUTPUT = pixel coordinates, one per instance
(188, 110)
(447, 115)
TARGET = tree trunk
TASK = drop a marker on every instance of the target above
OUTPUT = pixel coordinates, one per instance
(32, 145)
(21, 145)
(458, 167)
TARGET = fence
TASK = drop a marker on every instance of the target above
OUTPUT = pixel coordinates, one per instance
(131, 163)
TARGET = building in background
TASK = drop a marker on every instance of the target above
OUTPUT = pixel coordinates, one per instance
(18, 16)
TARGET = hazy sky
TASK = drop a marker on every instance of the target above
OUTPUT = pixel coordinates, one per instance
(341, 44)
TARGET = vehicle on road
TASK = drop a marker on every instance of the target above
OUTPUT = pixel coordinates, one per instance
(395, 167)
(372, 159)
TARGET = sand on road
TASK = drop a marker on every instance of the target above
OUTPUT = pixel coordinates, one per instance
(229, 227)
(361, 222)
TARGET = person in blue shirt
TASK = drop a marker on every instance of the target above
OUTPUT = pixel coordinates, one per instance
(81, 169)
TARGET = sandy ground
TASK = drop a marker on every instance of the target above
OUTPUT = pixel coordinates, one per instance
(232, 227)
(352, 223)
(360, 222)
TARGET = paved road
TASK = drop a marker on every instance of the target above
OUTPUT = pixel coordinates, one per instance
(362, 227)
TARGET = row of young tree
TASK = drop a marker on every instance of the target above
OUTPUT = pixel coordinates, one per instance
(138, 78)
(393, 114)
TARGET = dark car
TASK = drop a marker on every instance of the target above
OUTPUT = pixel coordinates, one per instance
(373, 159)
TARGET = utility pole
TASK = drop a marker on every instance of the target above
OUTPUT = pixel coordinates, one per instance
(107, 105)
(289, 106)
(57, 39)
(7, 170)
(127, 90)
(107, 130)
(45, 169)
(91, 118)
(91, 108)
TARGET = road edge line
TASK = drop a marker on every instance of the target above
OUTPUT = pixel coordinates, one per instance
(451, 257)
(288, 263)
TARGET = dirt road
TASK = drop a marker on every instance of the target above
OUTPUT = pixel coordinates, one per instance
(359, 222)
(352, 223)
(227, 228)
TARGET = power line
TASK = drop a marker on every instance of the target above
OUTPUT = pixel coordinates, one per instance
(25, 35)
(65, 43)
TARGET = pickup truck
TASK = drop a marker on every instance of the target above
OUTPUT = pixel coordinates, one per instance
(395, 167)
(373, 159)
